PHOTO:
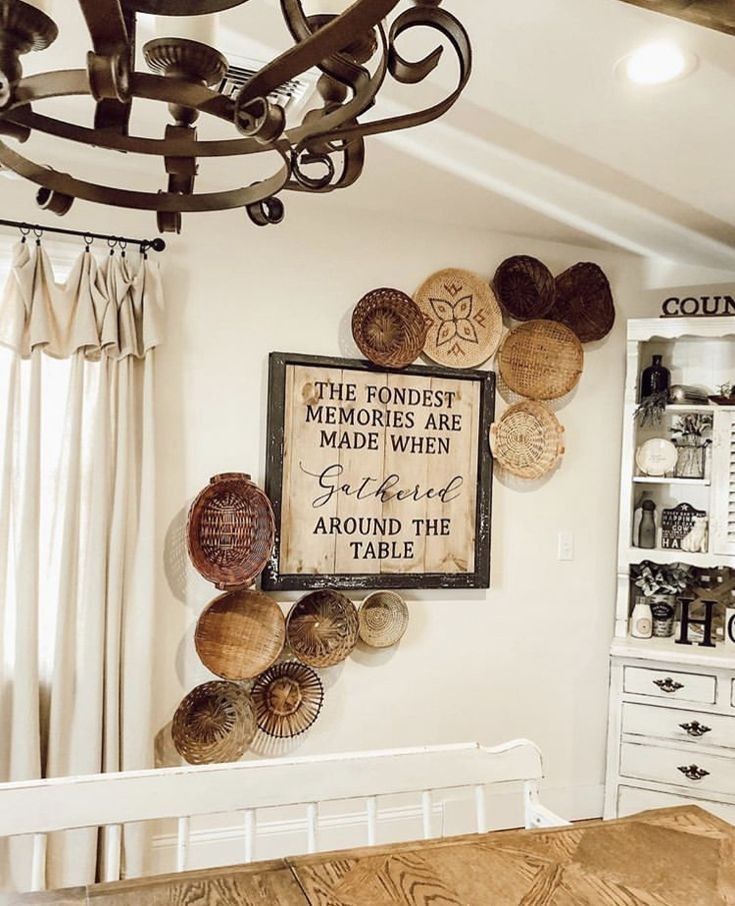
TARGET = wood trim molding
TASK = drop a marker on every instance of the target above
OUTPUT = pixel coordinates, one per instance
(716, 14)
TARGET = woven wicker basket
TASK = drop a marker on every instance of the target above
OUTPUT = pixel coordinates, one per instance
(287, 699)
(541, 360)
(528, 440)
(240, 634)
(525, 288)
(389, 328)
(383, 619)
(231, 531)
(214, 724)
(322, 628)
(584, 302)
(464, 318)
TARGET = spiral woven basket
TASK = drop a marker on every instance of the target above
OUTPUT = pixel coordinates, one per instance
(383, 619)
(464, 320)
(240, 634)
(524, 287)
(231, 531)
(528, 440)
(584, 302)
(322, 628)
(287, 699)
(541, 360)
(389, 328)
(214, 724)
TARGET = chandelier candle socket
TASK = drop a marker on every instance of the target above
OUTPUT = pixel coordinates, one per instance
(352, 44)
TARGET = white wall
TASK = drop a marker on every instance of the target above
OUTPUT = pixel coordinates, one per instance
(526, 658)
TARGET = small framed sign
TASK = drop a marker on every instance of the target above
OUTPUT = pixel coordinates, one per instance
(677, 524)
(378, 479)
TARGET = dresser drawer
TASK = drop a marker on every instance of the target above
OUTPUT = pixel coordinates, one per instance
(632, 800)
(673, 686)
(645, 762)
(679, 724)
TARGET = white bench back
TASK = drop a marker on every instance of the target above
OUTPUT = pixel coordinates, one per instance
(112, 800)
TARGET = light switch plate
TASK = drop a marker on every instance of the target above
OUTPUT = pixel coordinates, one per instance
(566, 546)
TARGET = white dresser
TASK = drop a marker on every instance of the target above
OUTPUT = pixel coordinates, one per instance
(671, 736)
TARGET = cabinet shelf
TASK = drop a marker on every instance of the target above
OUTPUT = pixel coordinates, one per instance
(695, 482)
(704, 561)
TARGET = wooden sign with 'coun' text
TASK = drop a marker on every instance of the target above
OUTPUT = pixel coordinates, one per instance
(378, 479)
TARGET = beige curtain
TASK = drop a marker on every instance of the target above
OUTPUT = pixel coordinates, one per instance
(77, 485)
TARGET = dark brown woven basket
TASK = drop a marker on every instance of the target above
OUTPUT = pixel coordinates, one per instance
(524, 287)
(287, 699)
(322, 628)
(231, 531)
(584, 302)
(214, 724)
(389, 328)
(240, 634)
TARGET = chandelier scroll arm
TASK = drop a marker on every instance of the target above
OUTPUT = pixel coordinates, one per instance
(360, 17)
(402, 70)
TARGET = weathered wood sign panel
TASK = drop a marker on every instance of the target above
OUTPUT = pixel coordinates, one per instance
(378, 479)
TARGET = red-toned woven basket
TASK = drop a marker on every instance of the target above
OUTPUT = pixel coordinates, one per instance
(231, 531)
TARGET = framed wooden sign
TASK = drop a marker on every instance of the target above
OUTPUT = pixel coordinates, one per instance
(378, 479)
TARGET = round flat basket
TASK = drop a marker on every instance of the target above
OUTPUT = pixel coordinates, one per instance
(525, 288)
(231, 531)
(287, 699)
(584, 302)
(240, 634)
(389, 328)
(527, 440)
(541, 360)
(322, 628)
(214, 724)
(464, 320)
(383, 619)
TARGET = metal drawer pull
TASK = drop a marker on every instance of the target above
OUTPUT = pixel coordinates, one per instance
(696, 729)
(668, 685)
(693, 772)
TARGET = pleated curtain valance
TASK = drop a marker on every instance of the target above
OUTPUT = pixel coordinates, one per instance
(113, 308)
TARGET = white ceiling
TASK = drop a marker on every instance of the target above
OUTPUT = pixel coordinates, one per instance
(548, 140)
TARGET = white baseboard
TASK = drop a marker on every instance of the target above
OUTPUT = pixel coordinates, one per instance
(220, 841)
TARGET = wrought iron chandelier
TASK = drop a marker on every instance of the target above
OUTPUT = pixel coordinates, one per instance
(355, 51)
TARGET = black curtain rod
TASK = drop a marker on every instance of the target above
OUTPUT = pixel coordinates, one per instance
(156, 245)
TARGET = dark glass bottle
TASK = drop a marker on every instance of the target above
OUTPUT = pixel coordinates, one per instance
(655, 379)
(647, 528)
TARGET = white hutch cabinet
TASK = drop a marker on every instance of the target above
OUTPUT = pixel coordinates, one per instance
(672, 707)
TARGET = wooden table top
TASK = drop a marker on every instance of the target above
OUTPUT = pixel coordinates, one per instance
(669, 857)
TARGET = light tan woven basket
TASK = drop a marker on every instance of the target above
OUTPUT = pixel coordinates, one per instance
(528, 440)
(383, 619)
(463, 316)
(240, 634)
(214, 724)
(389, 328)
(322, 628)
(541, 360)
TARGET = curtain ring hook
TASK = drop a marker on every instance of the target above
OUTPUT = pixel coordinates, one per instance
(123, 246)
(25, 232)
(38, 233)
(112, 243)
(88, 240)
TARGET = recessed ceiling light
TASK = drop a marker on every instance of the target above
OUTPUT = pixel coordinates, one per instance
(658, 63)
